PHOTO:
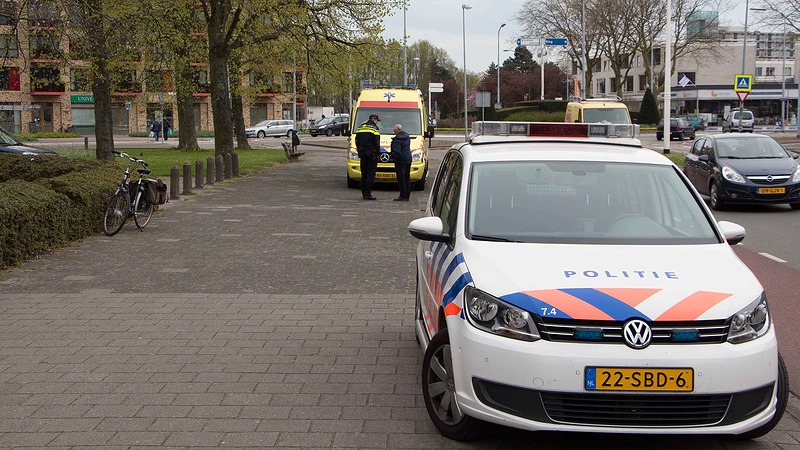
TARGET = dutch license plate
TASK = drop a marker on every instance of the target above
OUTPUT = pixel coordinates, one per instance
(384, 175)
(779, 190)
(639, 379)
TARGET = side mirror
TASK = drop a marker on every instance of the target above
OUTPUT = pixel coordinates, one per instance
(428, 229)
(703, 158)
(733, 232)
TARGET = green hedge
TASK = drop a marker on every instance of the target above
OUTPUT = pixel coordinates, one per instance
(48, 202)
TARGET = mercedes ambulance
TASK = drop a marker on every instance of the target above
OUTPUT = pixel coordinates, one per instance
(393, 105)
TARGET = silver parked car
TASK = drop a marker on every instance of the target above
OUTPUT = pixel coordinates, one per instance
(274, 128)
(732, 122)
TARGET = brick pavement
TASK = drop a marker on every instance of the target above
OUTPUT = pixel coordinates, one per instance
(273, 311)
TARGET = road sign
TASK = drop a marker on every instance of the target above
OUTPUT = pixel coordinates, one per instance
(483, 99)
(743, 83)
(555, 41)
(741, 97)
(435, 87)
(528, 41)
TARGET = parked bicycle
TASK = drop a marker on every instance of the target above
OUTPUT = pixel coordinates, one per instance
(130, 199)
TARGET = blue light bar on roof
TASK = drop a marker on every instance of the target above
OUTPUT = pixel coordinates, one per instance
(554, 129)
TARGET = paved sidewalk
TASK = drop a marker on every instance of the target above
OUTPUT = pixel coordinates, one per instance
(273, 311)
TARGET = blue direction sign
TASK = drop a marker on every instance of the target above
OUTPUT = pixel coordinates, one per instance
(555, 41)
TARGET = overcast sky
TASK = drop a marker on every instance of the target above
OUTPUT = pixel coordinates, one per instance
(440, 22)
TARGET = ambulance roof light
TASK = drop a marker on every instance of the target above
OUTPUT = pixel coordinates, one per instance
(554, 129)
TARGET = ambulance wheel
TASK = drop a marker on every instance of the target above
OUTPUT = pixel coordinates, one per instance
(420, 185)
(352, 184)
(782, 396)
(439, 394)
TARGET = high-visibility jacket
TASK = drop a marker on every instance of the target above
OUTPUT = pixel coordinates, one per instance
(368, 140)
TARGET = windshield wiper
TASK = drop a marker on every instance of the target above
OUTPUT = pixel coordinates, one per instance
(480, 237)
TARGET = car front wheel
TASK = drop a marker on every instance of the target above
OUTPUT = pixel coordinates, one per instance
(716, 203)
(439, 393)
(261, 134)
(329, 132)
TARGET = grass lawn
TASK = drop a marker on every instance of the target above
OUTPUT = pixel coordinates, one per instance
(161, 160)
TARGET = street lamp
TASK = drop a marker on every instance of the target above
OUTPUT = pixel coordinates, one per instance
(744, 59)
(498, 105)
(542, 54)
(405, 57)
(416, 64)
(464, 8)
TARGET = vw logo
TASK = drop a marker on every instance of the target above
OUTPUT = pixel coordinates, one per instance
(769, 178)
(637, 333)
(384, 157)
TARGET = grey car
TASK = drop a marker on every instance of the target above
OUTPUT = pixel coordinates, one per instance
(274, 128)
(732, 122)
(9, 144)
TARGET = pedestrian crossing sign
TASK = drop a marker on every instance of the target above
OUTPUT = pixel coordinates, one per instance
(743, 83)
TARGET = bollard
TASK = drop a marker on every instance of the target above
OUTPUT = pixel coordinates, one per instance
(228, 171)
(235, 163)
(174, 179)
(187, 178)
(219, 168)
(210, 170)
(198, 174)
(86, 142)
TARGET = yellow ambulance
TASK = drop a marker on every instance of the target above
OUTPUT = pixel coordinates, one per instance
(597, 110)
(392, 104)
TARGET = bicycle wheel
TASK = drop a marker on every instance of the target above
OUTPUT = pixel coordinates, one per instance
(142, 212)
(116, 213)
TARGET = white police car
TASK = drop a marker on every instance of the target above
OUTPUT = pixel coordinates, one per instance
(563, 284)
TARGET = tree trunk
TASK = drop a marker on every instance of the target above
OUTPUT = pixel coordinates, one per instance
(220, 99)
(104, 127)
(238, 121)
(187, 138)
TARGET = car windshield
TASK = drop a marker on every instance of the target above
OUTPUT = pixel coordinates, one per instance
(606, 115)
(263, 123)
(750, 147)
(324, 121)
(584, 202)
(6, 138)
(410, 118)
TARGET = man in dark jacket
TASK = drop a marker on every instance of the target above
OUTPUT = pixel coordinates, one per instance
(401, 155)
(368, 145)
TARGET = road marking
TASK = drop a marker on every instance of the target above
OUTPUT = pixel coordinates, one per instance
(774, 258)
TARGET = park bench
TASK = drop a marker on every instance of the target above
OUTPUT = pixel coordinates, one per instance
(291, 147)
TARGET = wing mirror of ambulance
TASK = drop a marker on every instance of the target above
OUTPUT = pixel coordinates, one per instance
(733, 232)
(428, 229)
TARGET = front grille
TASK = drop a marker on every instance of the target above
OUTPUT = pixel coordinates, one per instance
(635, 410)
(775, 179)
(564, 330)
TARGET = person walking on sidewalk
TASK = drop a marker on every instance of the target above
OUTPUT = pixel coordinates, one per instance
(368, 145)
(165, 128)
(156, 128)
(401, 155)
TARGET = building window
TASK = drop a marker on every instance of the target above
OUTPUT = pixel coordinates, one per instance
(79, 80)
(601, 86)
(44, 46)
(656, 56)
(9, 79)
(759, 71)
(628, 84)
(643, 82)
(613, 83)
(9, 48)
(8, 12)
(43, 13)
(770, 71)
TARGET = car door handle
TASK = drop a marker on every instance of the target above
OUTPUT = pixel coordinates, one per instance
(428, 254)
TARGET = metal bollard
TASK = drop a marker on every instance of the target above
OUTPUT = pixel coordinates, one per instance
(219, 167)
(235, 163)
(86, 142)
(228, 170)
(187, 178)
(174, 180)
(210, 170)
(198, 174)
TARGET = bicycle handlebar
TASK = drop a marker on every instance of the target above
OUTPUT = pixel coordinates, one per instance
(131, 158)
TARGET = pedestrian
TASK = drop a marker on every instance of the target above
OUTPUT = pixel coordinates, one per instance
(156, 128)
(368, 145)
(401, 155)
(165, 128)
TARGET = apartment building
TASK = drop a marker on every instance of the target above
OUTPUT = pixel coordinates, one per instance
(40, 91)
(770, 57)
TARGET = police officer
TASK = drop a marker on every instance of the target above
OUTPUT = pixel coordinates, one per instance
(368, 146)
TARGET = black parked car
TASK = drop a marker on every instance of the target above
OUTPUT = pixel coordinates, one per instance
(8, 144)
(748, 169)
(679, 128)
(330, 125)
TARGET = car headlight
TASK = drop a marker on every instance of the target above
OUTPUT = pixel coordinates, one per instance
(732, 175)
(416, 156)
(495, 316)
(751, 322)
(796, 176)
(354, 155)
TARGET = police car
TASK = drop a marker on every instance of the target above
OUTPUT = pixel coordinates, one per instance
(563, 284)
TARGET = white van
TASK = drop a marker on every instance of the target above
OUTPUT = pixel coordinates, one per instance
(732, 122)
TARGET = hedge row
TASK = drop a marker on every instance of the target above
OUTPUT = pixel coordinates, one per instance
(48, 202)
